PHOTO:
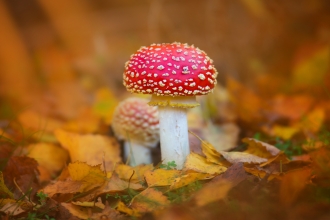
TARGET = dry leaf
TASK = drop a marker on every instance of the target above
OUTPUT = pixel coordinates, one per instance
(123, 208)
(134, 174)
(292, 184)
(90, 176)
(98, 204)
(260, 148)
(188, 178)
(242, 157)
(199, 163)
(92, 149)
(284, 132)
(149, 200)
(219, 187)
(76, 211)
(49, 156)
(115, 184)
(160, 177)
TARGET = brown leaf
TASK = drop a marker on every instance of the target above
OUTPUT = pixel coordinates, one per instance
(134, 174)
(23, 170)
(292, 184)
(219, 187)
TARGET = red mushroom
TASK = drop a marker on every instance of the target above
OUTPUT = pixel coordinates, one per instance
(174, 74)
(137, 123)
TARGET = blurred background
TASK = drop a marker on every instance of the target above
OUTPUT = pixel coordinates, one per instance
(55, 55)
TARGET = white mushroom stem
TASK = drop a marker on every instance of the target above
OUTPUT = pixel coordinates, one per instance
(174, 142)
(137, 154)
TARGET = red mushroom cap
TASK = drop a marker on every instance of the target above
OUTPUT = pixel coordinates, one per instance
(174, 69)
(135, 119)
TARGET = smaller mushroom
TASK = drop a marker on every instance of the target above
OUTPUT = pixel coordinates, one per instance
(137, 123)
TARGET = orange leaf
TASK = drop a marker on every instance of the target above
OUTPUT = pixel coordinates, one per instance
(199, 163)
(89, 148)
(292, 184)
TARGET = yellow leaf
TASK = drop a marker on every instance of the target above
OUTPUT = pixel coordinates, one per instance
(49, 156)
(89, 148)
(90, 176)
(260, 149)
(98, 204)
(105, 104)
(123, 208)
(189, 178)
(125, 172)
(149, 200)
(199, 163)
(161, 177)
(212, 155)
(115, 184)
(242, 157)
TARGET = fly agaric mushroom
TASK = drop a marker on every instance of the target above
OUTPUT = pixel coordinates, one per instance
(174, 74)
(137, 123)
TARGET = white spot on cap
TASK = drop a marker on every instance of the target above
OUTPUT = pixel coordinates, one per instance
(201, 76)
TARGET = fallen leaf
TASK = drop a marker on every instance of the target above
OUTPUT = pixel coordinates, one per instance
(242, 157)
(48, 155)
(92, 149)
(188, 178)
(76, 210)
(23, 171)
(123, 208)
(212, 155)
(199, 163)
(98, 204)
(149, 200)
(261, 173)
(134, 174)
(259, 148)
(12, 208)
(90, 176)
(292, 184)
(115, 184)
(223, 137)
(160, 177)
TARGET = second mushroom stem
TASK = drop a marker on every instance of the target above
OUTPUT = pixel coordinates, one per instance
(174, 142)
